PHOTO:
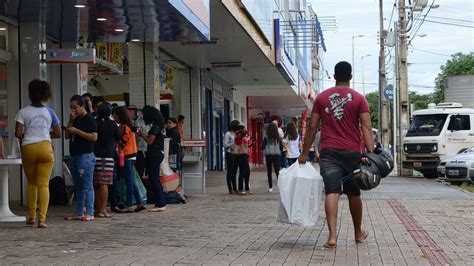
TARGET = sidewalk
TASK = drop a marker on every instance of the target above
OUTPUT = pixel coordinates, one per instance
(410, 221)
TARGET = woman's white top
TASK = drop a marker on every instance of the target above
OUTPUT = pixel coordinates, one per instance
(37, 123)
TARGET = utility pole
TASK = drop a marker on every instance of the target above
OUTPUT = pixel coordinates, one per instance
(403, 103)
(383, 107)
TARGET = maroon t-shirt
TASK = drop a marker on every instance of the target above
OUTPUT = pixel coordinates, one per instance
(339, 108)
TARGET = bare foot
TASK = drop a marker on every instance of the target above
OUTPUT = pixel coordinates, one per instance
(330, 244)
(42, 225)
(362, 236)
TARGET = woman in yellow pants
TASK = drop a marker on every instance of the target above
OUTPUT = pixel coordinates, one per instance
(33, 128)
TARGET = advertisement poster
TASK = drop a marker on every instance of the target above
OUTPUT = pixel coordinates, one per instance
(83, 76)
(110, 55)
(166, 78)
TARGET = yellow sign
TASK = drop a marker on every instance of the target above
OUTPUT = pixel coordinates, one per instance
(109, 54)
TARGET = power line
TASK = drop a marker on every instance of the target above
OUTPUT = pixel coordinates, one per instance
(429, 52)
(424, 18)
(391, 16)
(451, 24)
(453, 19)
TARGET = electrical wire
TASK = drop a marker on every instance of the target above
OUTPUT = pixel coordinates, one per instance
(424, 18)
(429, 52)
(451, 24)
(453, 19)
(391, 16)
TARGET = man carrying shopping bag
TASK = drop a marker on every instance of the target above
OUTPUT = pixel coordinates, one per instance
(343, 112)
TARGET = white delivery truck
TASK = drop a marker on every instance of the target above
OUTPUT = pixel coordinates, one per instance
(436, 134)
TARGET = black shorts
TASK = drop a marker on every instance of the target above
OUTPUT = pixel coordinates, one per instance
(336, 168)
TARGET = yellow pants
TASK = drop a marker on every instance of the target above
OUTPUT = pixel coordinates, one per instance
(38, 161)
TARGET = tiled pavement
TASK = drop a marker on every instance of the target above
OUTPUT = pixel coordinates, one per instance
(225, 229)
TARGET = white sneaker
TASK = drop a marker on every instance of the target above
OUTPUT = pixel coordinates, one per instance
(270, 190)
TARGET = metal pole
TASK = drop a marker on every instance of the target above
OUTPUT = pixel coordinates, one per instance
(362, 69)
(403, 71)
(383, 107)
(396, 144)
(353, 66)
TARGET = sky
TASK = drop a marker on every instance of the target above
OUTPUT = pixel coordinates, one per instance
(361, 17)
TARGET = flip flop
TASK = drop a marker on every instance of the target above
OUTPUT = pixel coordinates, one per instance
(103, 215)
(156, 209)
(330, 245)
(30, 221)
(365, 234)
(72, 218)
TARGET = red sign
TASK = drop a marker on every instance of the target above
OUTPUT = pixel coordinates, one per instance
(193, 143)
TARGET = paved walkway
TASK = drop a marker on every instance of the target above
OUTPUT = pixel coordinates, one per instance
(410, 222)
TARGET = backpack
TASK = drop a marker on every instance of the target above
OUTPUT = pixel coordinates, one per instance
(57, 191)
(175, 196)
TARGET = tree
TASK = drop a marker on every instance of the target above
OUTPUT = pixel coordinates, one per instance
(420, 101)
(373, 98)
(459, 64)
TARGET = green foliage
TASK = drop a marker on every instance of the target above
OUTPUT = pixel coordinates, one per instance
(459, 64)
(373, 98)
(421, 101)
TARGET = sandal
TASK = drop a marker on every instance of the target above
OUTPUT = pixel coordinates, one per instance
(42, 225)
(73, 218)
(330, 245)
(30, 221)
(156, 209)
(87, 218)
(364, 236)
(103, 215)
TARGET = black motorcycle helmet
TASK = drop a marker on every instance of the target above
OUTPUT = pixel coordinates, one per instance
(368, 176)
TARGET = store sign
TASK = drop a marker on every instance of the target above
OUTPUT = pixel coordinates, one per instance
(109, 54)
(285, 55)
(70, 56)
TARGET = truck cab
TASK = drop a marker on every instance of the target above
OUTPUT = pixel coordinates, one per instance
(436, 134)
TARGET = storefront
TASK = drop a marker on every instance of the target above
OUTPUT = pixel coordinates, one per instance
(216, 108)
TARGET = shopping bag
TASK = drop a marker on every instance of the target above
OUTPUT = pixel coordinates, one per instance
(170, 182)
(300, 195)
(141, 189)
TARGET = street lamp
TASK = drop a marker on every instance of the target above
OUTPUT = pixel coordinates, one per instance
(353, 66)
(362, 70)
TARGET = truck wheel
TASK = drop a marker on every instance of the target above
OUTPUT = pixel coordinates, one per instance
(431, 173)
(456, 183)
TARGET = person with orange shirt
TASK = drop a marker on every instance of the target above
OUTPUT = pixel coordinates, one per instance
(128, 146)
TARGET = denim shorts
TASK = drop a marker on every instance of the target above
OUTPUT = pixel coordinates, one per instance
(336, 168)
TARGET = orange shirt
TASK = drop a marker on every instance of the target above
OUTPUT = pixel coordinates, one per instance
(181, 130)
(128, 143)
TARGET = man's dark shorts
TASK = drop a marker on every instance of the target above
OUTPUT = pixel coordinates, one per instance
(336, 166)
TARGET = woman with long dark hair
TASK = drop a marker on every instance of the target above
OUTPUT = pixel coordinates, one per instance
(82, 133)
(108, 136)
(128, 146)
(229, 141)
(155, 154)
(293, 140)
(271, 145)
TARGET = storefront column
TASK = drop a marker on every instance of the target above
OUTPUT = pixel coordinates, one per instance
(143, 69)
(32, 39)
(191, 105)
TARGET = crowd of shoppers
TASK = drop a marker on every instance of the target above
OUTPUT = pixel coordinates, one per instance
(105, 142)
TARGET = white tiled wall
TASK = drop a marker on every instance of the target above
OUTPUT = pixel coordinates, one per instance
(139, 72)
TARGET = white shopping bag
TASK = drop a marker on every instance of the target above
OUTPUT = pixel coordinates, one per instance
(300, 194)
